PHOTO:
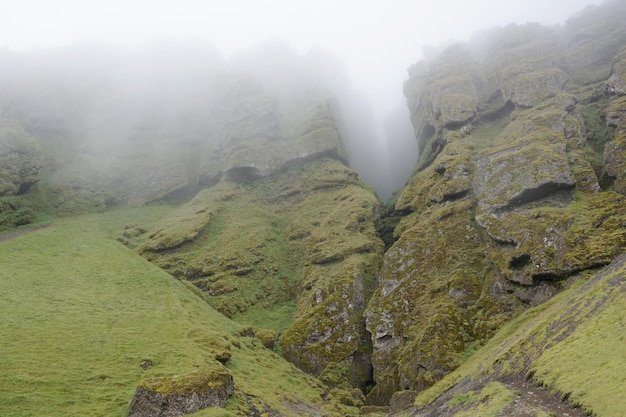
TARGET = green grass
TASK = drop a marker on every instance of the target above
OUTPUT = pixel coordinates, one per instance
(590, 365)
(79, 312)
(466, 398)
(493, 398)
(573, 344)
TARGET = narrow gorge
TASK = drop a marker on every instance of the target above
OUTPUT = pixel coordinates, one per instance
(215, 213)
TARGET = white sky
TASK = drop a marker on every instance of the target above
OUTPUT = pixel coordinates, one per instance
(377, 40)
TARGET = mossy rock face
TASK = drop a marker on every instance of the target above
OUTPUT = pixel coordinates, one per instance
(530, 89)
(342, 254)
(615, 150)
(183, 394)
(617, 81)
(594, 40)
(305, 235)
(508, 203)
(328, 327)
(252, 138)
(528, 161)
(438, 99)
(433, 282)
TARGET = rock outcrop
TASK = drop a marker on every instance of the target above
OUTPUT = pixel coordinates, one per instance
(252, 138)
(120, 133)
(282, 221)
(181, 395)
(519, 191)
(519, 186)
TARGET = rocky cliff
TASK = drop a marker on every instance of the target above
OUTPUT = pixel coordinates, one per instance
(497, 267)
(285, 224)
(271, 226)
(518, 190)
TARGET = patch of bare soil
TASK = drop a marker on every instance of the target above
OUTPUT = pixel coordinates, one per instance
(12, 235)
(529, 398)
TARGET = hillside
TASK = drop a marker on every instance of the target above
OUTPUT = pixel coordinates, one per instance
(86, 322)
(196, 240)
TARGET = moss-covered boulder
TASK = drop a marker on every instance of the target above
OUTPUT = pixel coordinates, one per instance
(512, 198)
(182, 394)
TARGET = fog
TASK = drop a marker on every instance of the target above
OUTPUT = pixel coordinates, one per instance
(358, 50)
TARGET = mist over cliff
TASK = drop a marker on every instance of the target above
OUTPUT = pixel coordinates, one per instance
(184, 229)
(107, 96)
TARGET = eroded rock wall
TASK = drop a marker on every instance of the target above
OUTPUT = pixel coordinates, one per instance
(519, 187)
(282, 221)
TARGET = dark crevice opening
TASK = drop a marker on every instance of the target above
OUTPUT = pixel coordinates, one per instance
(519, 262)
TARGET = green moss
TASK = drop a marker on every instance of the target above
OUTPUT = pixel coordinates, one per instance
(256, 247)
(493, 398)
(336, 375)
(467, 398)
(532, 87)
(546, 341)
(581, 364)
(328, 326)
(446, 179)
(560, 241)
(351, 398)
(194, 382)
(277, 318)
(16, 211)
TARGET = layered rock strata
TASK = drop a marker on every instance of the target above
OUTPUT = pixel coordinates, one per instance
(519, 186)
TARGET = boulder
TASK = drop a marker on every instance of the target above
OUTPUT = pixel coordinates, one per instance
(181, 395)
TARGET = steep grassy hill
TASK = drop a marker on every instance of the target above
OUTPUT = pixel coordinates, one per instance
(82, 316)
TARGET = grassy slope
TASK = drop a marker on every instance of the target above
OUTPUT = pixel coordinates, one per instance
(79, 312)
(572, 344)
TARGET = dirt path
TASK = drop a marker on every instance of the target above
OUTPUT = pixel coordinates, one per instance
(12, 235)
(530, 397)
(527, 400)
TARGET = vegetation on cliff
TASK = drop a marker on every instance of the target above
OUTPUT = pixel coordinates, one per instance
(270, 280)
(517, 191)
